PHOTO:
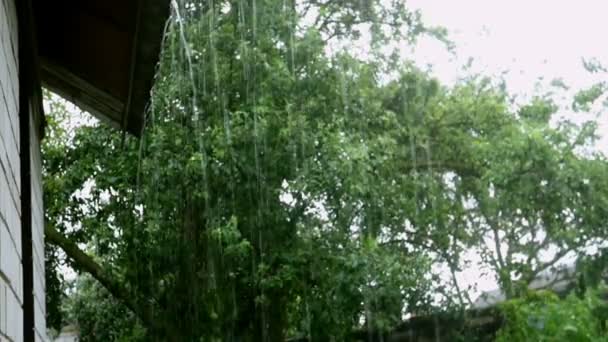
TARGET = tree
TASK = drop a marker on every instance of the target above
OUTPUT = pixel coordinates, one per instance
(544, 317)
(540, 198)
(99, 315)
(192, 220)
(279, 189)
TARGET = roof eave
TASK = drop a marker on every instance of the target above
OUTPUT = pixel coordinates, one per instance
(124, 112)
(152, 18)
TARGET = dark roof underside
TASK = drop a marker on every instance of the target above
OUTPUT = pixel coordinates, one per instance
(101, 54)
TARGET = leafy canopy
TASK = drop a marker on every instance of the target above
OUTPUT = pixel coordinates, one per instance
(282, 190)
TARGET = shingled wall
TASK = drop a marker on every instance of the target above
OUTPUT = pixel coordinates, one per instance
(11, 270)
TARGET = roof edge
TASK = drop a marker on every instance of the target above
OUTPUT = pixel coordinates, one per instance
(152, 18)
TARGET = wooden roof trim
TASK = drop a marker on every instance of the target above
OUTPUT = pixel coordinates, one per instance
(75, 89)
(121, 98)
(150, 30)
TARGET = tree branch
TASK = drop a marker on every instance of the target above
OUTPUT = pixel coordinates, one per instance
(546, 265)
(85, 263)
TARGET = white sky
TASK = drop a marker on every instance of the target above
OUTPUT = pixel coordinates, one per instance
(536, 37)
(529, 40)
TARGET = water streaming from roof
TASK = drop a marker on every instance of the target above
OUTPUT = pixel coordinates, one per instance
(216, 88)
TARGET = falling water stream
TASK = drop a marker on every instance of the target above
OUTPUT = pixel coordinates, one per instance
(223, 96)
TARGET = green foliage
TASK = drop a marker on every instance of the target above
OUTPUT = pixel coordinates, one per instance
(542, 316)
(279, 190)
(539, 110)
(99, 316)
(586, 97)
(191, 219)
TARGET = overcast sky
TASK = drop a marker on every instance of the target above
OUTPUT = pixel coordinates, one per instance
(536, 37)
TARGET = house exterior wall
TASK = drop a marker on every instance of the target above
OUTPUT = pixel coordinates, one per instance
(11, 270)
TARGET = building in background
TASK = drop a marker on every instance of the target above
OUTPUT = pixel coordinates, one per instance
(99, 54)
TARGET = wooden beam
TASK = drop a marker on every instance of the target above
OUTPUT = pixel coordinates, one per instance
(132, 64)
(150, 33)
(86, 96)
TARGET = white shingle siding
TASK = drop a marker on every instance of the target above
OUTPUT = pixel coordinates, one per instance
(10, 263)
(11, 270)
(11, 20)
(3, 307)
(9, 108)
(11, 277)
(14, 323)
(8, 69)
